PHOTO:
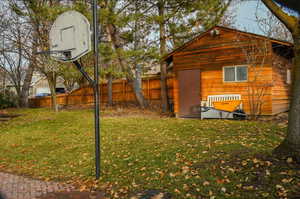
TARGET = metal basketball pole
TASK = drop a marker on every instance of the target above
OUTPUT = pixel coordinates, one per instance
(96, 90)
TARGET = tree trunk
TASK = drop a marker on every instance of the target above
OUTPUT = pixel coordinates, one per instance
(109, 89)
(4, 82)
(137, 86)
(51, 77)
(26, 86)
(291, 145)
(18, 92)
(137, 79)
(113, 37)
(163, 65)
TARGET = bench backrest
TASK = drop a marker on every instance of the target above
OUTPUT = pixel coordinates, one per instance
(218, 98)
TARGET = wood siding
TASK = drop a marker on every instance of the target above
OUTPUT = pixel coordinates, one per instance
(280, 89)
(222, 50)
(212, 84)
(211, 54)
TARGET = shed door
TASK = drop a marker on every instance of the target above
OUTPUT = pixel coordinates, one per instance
(189, 92)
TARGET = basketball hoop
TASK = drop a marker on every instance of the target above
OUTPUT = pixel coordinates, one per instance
(70, 37)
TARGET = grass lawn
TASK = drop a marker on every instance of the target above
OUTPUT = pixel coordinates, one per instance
(187, 158)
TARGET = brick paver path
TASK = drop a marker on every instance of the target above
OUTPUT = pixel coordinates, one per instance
(18, 187)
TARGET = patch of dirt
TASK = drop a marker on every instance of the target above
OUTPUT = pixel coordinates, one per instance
(74, 195)
(235, 156)
(263, 172)
(5, 116)
(151, 194)
(125, 111)
(3, 112)
(281, 119)
(129, 112)
(295, 194)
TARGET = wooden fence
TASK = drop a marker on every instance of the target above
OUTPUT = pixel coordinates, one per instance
(122, 94)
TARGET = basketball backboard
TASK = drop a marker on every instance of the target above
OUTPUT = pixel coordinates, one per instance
(70, 37)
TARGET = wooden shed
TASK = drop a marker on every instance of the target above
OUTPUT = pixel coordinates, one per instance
(229, 62)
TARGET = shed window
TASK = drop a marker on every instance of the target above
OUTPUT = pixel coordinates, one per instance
(235, 73)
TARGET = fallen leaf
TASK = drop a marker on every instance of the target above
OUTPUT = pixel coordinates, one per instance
(223, 189)
(176, 191)
(279, 186)
(284, 180)
(220, 181)
(244, 163)
(249, 188)
(265, 194)
(289, 160)
(205, 183)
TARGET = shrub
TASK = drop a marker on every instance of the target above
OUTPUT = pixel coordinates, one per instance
(7, 100)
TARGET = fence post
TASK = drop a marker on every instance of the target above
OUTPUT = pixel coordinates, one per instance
(148, 86)
(101, 92)
(124, 90)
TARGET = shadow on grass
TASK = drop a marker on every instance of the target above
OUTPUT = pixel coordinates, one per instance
(6, 117)
(73, 195)
(2, 196)
(262, 175)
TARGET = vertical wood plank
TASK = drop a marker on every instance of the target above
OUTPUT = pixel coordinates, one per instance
(121, 91)
(148, 91)
(124, 90)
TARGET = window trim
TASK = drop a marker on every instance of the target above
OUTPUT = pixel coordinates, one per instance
(235, 73)
(288, 76)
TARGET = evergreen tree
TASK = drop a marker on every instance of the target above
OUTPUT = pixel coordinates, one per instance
(178, 21)
(127, 33)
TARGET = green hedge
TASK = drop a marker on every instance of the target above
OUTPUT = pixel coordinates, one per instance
(7, 100)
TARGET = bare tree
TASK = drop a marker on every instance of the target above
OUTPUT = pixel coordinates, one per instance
(15, 52)
(270, 26)
(41, 15)
(256, 53)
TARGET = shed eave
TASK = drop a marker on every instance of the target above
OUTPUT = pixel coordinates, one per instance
(170, 55)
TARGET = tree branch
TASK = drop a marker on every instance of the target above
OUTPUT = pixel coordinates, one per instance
(289, 21)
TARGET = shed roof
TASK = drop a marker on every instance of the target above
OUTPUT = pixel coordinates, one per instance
(273, 40)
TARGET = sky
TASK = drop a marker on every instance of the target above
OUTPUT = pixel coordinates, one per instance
(245, 15)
